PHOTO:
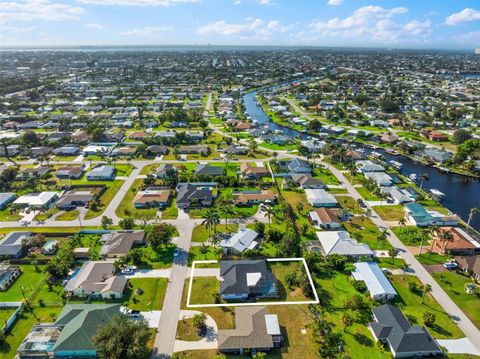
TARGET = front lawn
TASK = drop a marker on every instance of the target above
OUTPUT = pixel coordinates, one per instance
(195, 254)
(156, 259)
(105, 199)
(186, 331)
(409, 235)
(349, 203)
(432, 258)
(200, 232)
(147, 293)
(453, 283)
(171, 212)
(126, 207)
(68, 216)
(390, 213)
(366, 194)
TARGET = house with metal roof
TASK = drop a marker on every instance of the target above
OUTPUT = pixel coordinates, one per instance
(70, 336)
(6, 199)
(320, 198)
(420, 217)
(377, 283)
(102, 173)
(365, 166)
(255, 331)
(339, 242)
(242, 240)
(36, 200)
(404, 340)
(244, 279)
(13, 244)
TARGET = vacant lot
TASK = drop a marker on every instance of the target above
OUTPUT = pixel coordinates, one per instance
(390, 213)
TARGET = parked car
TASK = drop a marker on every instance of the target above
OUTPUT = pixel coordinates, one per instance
(450, 265)
(176, 252)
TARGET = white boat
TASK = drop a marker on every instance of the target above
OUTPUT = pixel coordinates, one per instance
(375, 154)
(396, 164)
(412, 177)
(436, 193)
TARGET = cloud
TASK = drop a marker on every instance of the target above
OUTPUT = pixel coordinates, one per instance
(373, 23)
(266, 2)
(32, 10)
(466, 15)
(145, 31)
(95, 26)
(335, 2)
(16, 30)
(253, 27)
(137, 2)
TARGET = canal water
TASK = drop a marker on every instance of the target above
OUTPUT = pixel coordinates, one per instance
(461, 192)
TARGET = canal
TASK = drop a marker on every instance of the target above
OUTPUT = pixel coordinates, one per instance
(461, 192)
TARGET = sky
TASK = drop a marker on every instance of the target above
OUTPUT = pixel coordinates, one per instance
(438, 24)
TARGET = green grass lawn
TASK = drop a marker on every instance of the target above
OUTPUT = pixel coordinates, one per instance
(390, 213)
(28, 281)
(280, 270)
(454, 284)
(409, 235)
(203, 290)
(123, 169)
(126, 207)
(349, 203)
(186, 331)
(153, 293)
(200, 232)
(326, 176)
(105, 199)
(366, 194)
(412, 305)
(388, 262)
(5, 314)
(365, 231)
(196, 255)
(68, 216)
(171, 212)
(432, 258)
(160, 259)
(6, 216)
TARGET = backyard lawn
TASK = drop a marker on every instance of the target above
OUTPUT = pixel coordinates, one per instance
(286, 293)
(454, 284)
(152, 293)
(28, 281)
(204, 289)
(390, 213)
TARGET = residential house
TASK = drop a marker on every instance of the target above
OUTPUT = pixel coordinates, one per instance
(33, 172)
(70, 172)
(420, 217)
(306, 181)
(12, 150)
(164, 169)
(460, 242)
(391, 327)
(377, 283)
(198, 194)
(96, 279)
(339, 242)
(325, 218)
(248, 172)
(156, 150)
(13, 244)
(298, 166)
(71, 335)
(152, 197)
(437, 155)
(398, 195)
(205, 170)
(6, 198)
(380, 178)
(41, 151)
(242, 240)
(251, 197)
(118, 243)
(255, 331)
(67, 151)
(194, 150)
(470, 265)
(235, 150)
(74, 198)
(36, 200)
(365, 166)
(102, 173)
(320, 198)
(8, 274)
(247, 279)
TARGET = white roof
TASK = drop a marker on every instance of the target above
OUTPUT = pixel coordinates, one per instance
(319, 196)
(243, 239)
(376, 281)
(273, 328)
(253, 278)
(339, 242)
(36, 199)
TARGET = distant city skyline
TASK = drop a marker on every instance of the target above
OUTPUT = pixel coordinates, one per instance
(344, 23)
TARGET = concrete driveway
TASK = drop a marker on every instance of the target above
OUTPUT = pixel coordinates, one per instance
(152, 317)
(209, 341)
(459, 346)
(150, 273)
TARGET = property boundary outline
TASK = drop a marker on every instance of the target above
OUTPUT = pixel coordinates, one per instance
(240, 304)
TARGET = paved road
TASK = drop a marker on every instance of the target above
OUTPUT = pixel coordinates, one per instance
(457, 315)
(167, 329)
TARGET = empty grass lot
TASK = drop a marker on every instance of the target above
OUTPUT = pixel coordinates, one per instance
(390, 213)
(349, 203)
(454, 284)
(153, 293)
(200, 232)
(365, 231)
(204, 289)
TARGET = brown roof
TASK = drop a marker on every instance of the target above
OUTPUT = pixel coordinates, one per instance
(242, 197)
(327, 215)
(245, 168)
(144, 197)
(470, 263)
(250, 330)
(458, 239)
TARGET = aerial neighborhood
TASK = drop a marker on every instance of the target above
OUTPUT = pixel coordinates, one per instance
(239, 204)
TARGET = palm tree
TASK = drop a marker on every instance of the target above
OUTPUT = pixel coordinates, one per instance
(204, 250)
(473, 211)
(402, 222)
(423, 177)
(426, 289)
(424, 235)
(199, 322)
(445, 236)
(208, 220)
(268, 213)
(347, 321)
(393, 253)
(227, 211)
(433, 232)
(274, 155)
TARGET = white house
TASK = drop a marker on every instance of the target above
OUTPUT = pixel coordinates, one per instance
(240, 241)
(320, 198)
(339, 242)
(381, 178)
(399, 195)
(37, 200)
(377, 283)
(366, 166)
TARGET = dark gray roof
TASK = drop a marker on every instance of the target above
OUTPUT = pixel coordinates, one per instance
(207, 170)
(234, 274)
(402, 337)
(188, 191)
(12, 243)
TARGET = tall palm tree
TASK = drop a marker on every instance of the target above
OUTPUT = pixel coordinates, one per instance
(227, 211)
(433, 232)
(426, 289)
(424, 236)
(445, 236)
(473, 211)
(268, 213)
(208, 220)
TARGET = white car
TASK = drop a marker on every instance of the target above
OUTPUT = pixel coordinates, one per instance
(176, 252)
(450, 265)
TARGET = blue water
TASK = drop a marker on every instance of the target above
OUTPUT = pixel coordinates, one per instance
(461, 192)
